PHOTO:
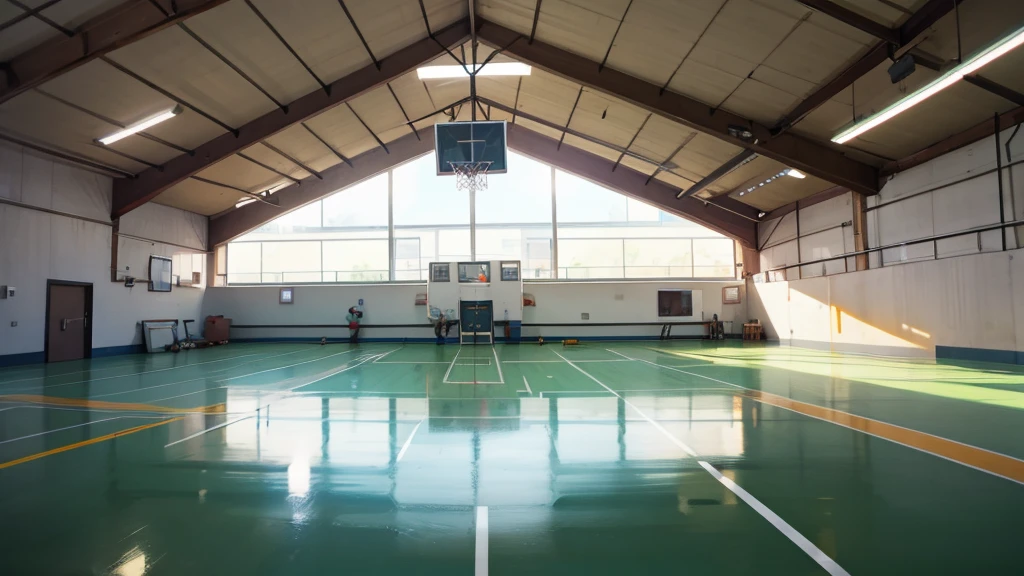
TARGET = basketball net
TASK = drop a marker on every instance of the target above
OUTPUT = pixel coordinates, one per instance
(471, 176)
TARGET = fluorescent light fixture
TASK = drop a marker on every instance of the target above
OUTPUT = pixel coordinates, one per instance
(244, 201)
(140, 126)
(970, 66)
(491, 69)
(795, 173)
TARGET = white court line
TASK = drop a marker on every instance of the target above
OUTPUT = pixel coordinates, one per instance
(407, 442)
(527, 384)
(211, 429)
(59, 429)
(445, 379)
(90, 380)
(588, 361)
(409, 362)
(639, 391)
(128, 364)
(289, 366)
(498, 364)
(356, 365)
(804, 544)
(32, 389)
(823, 560)
(859, 430)
(481, 541)
(531, 361)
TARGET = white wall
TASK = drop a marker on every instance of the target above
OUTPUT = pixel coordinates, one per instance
(958, 206)
(606, 302)
(826, 229)
(623, 302)
(966, 302)
(908, 302)
(383, 304)
(36, 246)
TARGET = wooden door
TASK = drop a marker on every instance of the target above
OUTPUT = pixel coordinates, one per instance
(68, 323)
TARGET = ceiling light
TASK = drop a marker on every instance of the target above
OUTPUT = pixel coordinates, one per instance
(244, 201)
(760, 214)
(140, 126)
(491, 69)
(970, 66)
(795, 174)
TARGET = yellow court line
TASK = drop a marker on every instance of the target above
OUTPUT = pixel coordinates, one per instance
(86, 443)
(105, 405)
(992, 462)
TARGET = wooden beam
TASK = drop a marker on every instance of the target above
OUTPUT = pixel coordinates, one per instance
(130, 194)
(113, 29)
(794, 151)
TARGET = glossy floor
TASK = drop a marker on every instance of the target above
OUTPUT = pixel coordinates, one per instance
(607, 458)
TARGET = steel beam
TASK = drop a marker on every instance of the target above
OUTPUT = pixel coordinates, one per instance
(996, 88)
(794, 151)
(150, 183)
(923, 19)
(631, 183)
(241, 220)
(733, 163)
(851, 18)
(113, 29)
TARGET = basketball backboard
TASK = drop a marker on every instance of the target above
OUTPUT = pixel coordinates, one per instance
(464, 142)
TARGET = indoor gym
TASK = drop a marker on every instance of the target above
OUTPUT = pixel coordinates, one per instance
(511, 286)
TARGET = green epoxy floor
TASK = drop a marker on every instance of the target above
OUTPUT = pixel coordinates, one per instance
(376, 459)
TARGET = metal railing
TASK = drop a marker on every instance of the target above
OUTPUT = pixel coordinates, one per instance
(930, 239)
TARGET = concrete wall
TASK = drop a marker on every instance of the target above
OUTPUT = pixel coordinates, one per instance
(606, 302)
(968, 303)
(36, 246)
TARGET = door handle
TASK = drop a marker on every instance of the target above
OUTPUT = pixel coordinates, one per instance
(64, 322)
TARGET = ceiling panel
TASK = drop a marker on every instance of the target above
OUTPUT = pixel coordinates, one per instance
(883, 12)
(818, 48)
(388, 25)
(237, 171)
(321, 35)
(760, 102)
(745, 33)
(175, 62)
(953, 110)
(547, 96)
(238, 34)
(413, 95)
(381, 113)
(339, 127)
(21, 36)
(199, 197)
(73, 13)
(606, 118)
(39, 118)
(298, 143)
(657, 34)
(599, 150)
(660, 138)
(539, 128)
(104, 90)
(265, 155)
(704, 82)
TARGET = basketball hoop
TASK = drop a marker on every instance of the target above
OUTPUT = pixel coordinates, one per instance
(471, 176)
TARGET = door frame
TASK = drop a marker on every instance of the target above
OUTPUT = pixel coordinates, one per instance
(88, 311)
